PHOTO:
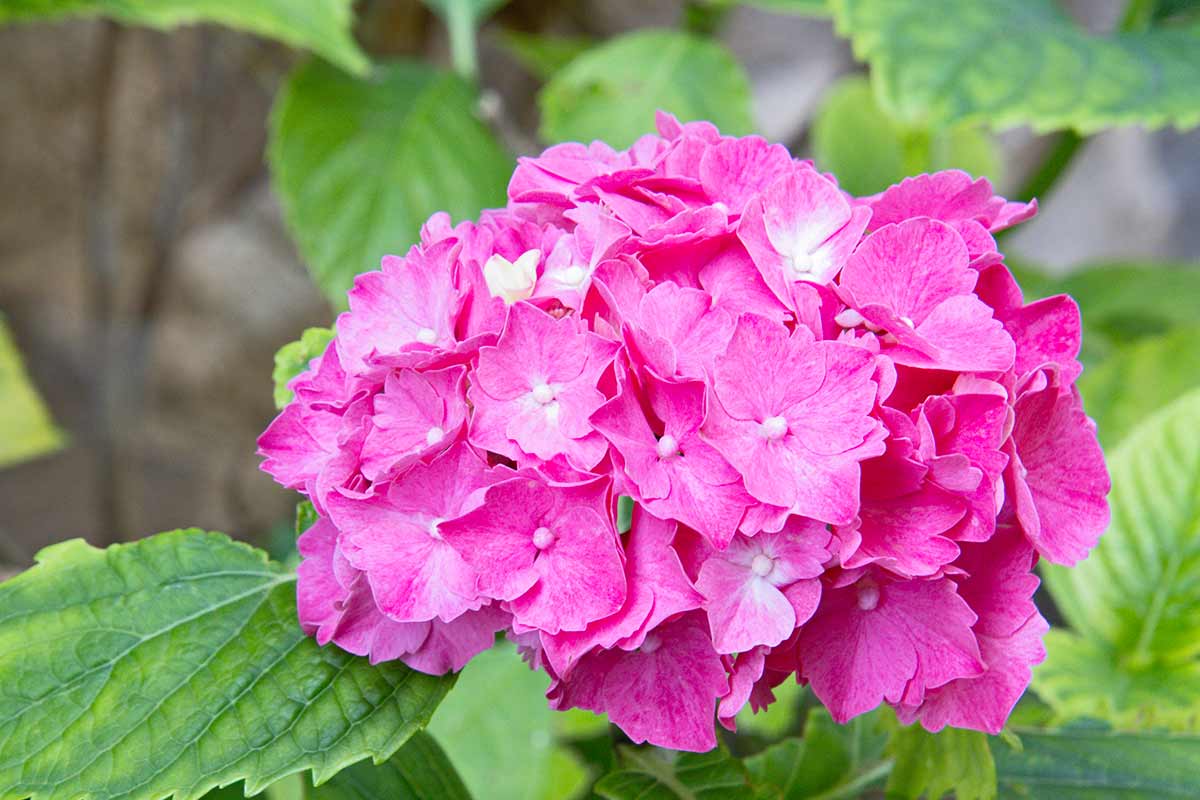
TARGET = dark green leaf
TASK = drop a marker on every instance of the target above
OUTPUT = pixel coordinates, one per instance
(419, 771)
(612, 91)
(648, 773)
(1137, 597)
(1087, 764)
(542, 54)
(360, 165)
(1022, 62)
(936, 764)
(174, 665)
(868, 151)
(26, 429)
(322, 26)
(499, 732)
(293, 358)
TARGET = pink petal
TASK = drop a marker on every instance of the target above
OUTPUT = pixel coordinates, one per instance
(867, 641)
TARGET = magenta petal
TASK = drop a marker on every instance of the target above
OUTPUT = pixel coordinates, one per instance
(581, 578)
(868, 641)
(663, 693)
(1061, 481)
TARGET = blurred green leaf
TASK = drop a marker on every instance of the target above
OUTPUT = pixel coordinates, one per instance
(1083, 678)
(830, 761)
(868, 151)
(1087, 764)
(650, 773)
(1022, 62)
(322, 26)
(175, 664)
(777, 719)
(1137, 597)
(360, 165)
(419, 771)
(306, 516)
(26, 429)
(936, 764)
(234, 791)
(293, 358)
(612, 91)
(1121, 302)
(543, 54)
(499, 733)
(1138, 379)
(462, 19)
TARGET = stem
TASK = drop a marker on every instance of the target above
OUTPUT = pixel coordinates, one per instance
(1066, 145)
(704, 17)
(461, 26)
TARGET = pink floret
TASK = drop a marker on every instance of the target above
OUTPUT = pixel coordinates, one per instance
(846, 435)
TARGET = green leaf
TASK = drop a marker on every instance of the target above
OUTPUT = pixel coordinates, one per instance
(830, 761)
(779, 718)
(499, 732)
(360, 165)
(306, 516)
(648, 773)
(293, 358)
(1088, 764)
(868, 151)
(419, 771)
(322, 26)
(26, 429)
(542, 54)
(1138, 594)
(1023, 62)
(936, 764)
(612, 91)
(1083, 678)
(174, 665)
(1138, 379)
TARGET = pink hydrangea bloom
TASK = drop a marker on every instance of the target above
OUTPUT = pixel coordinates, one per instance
(846, 435)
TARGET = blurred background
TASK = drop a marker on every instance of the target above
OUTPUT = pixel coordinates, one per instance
(147, 277)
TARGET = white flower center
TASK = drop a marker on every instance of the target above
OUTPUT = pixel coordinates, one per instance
(762, 565)
(427, 335)
(512, 280)
(907, 321)
(868, 597)
(773, 428)
(434, 533)
(573, 275)
(667, 446)
(434, 435)
(802, 263)
(543, 394)
(543, 537)
(651, 643)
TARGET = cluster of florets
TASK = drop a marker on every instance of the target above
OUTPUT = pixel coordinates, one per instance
(846, 438)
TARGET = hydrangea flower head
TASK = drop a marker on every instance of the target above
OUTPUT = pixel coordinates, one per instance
(846, 435)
